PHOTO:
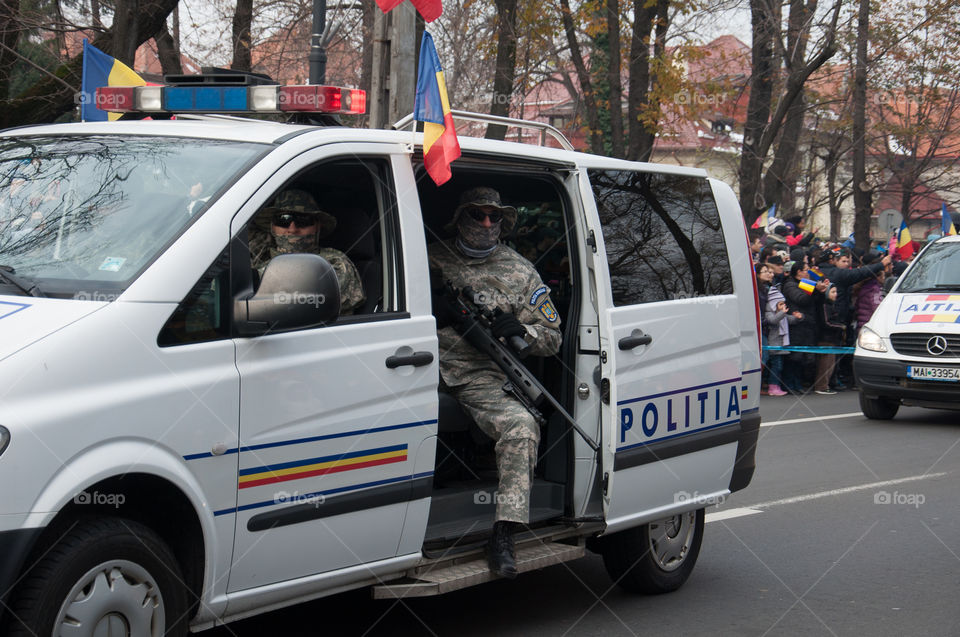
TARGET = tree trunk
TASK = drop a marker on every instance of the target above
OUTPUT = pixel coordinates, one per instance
(9, 37)
(613, 78)
(832, 202)
(48, 99)
(861, 190)
(762, 129)
(639, 82)
(126, 34)
(586, 87)
(909, 184)
(367, 8)
(176, 29)
(647, 18)
(167, 52)
(242, 21)
(505, 65)
(95, 14)
(59, 28)
(758, 110)
(779, 180)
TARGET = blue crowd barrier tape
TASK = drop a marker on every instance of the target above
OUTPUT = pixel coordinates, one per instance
(811, 349)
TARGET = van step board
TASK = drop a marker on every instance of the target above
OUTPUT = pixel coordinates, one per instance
(444, 579)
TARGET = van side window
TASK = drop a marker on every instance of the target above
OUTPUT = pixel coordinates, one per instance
(358, 229)
(662, 235)
(203, 315)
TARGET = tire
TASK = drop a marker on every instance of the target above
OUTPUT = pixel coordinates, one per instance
(878, 408)
(146, 594)
(657, 557)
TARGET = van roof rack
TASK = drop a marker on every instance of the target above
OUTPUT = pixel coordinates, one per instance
(484, 118)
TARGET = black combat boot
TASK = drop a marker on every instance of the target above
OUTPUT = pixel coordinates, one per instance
(500, 550)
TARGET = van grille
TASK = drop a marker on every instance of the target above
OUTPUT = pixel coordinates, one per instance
(915, 344)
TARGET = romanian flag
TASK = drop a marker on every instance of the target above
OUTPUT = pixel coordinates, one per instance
(429, 9)
(904, 242)
(99, 69)
(771, 219)
(440, 146)
(807, 285)
(815, 274)
(946, 222)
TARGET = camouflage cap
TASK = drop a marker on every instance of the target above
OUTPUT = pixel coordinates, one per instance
(484, 196)
(302, 202)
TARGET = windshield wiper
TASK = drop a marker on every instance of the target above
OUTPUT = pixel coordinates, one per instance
(934, 288)
(26, 286)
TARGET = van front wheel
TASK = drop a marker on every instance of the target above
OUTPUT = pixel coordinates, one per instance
(878, 408)
(657, 557)
(104, 576)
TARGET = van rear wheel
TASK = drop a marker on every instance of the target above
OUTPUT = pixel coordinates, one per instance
(657, 557)
(104, 576)
(878, 408)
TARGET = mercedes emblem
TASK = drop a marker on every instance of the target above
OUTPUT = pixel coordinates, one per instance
(937, 345)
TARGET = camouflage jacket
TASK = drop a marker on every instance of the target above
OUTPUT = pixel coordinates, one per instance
(505, 280)
(351, 286)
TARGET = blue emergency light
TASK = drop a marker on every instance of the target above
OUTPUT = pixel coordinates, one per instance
(205, 98)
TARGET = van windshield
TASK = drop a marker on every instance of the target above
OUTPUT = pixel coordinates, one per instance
(89, 213)
(937, 268)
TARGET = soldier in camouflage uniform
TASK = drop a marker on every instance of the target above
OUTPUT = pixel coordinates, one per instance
(502, 279)
(284, 216)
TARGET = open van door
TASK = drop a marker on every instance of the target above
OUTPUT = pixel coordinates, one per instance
(670, 341)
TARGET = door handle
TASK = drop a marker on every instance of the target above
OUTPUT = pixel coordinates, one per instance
(417, 359)
(629, 342)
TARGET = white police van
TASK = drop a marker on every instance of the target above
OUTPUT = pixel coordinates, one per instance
(182, 445)
(908, 353)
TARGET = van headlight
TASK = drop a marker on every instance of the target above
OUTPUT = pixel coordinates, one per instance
(4, 438)
(870, 340)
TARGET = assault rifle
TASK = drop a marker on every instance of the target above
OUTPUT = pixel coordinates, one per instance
(473, 322)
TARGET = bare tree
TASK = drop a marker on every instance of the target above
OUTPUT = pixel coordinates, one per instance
(52, 96)
(242, 21)
(167, 51)
(9, 37)
(861, 190)
(505, 65)
(768, 128)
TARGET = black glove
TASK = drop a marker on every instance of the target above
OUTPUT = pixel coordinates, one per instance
(443, 310)
(505, 325)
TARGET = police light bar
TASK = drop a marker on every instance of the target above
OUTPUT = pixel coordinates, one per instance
(308, 98)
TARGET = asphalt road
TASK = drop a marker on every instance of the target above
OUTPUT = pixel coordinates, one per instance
(850, 527)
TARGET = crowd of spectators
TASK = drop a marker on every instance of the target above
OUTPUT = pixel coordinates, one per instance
(814, 294)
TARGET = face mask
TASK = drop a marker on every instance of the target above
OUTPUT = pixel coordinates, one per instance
(475, 236)
(292, 244)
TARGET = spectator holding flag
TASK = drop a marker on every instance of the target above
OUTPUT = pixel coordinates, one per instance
(844, 277)
(830, 333)
(802, 295)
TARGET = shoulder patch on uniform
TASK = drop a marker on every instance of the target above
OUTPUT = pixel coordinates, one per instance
(540, 291)
(548, 312)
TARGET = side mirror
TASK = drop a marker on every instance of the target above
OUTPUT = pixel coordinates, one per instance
(296, 291)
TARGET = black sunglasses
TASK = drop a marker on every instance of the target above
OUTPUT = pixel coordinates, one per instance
(302, 219)
(478, 214)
